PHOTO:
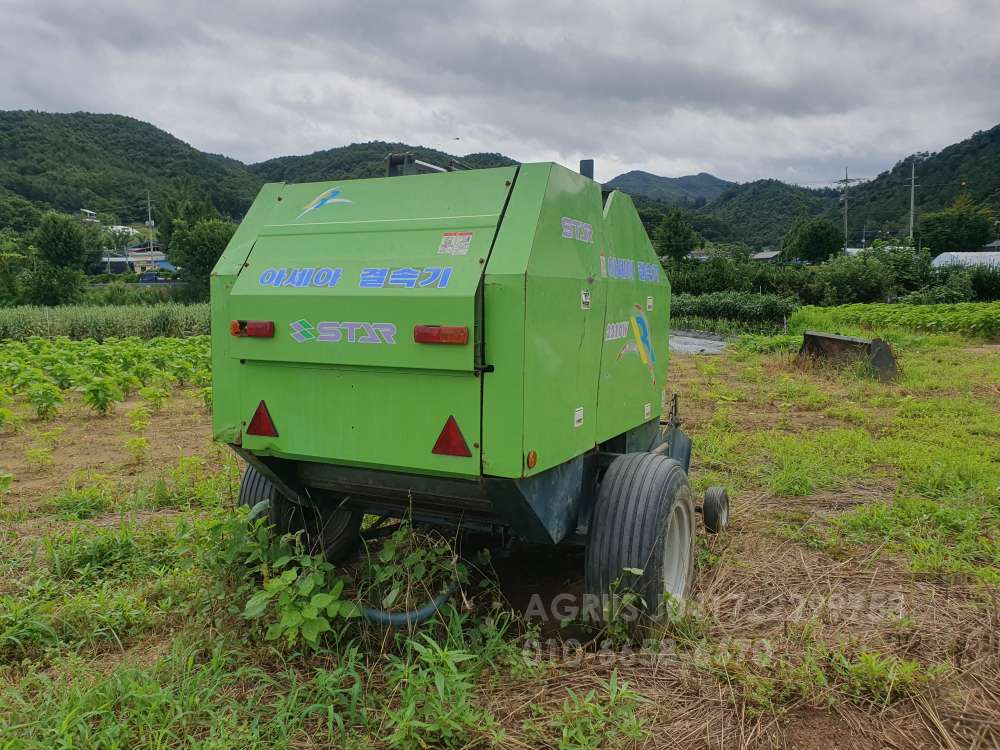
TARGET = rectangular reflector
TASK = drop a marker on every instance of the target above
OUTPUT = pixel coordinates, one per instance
(261, 329)
(441, 335)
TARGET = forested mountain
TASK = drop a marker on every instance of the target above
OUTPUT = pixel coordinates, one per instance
(970, 167)
(359, 160)
(108, 162)
(760, 213)
(694, 190)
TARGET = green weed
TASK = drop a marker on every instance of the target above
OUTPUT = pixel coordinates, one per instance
(435, 690)
(593, 720)
(139, 417)
(39, 458)
(84, 497)
(137, 449)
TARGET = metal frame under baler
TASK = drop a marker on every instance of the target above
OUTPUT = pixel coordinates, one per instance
(547, 508)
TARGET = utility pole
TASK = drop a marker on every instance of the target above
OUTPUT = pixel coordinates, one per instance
(149, 221)
(845, 183)
(913, 187)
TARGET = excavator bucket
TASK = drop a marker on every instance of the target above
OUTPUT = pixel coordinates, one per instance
(830, 346)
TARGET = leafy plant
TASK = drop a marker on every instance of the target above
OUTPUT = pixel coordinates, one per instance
(154, 396)
(38, 458)
(101, 394)
(138, 449)
(592, 721)
(51, 437)
(139, 418)
(45, 398)
(435, 690)
(299, 594)
(409, 568)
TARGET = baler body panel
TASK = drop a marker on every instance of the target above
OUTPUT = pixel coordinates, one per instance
(519, 256)
(633, 364)
(564, 316)
(345, 283)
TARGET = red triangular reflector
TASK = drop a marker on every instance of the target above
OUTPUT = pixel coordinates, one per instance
(450, 442)
(261, 423)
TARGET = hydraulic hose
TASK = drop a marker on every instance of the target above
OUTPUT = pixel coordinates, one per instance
(413, 617)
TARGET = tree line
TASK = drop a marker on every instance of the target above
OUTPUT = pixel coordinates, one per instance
(965, 226)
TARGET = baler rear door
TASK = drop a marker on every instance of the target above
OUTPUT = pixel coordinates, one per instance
(346, 284)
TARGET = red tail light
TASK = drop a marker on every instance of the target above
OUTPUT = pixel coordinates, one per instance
(450, 442)
(441, 334)
(261, 329)
(261, 424)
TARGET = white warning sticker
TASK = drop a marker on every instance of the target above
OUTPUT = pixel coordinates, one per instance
(649, 304)
(647, 411)
(455, 243)
(578, 417)
(584, 299)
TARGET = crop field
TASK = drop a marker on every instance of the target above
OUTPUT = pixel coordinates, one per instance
(853, 603)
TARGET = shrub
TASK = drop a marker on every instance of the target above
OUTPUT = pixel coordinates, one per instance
(741, 306)
(861, 278)
(955, 286)
(728, 274)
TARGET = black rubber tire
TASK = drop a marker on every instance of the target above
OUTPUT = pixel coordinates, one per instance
(715, 510)
(327, 529)
(640, 499)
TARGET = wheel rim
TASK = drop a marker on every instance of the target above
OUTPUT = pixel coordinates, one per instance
(677, 549)
(724, 513)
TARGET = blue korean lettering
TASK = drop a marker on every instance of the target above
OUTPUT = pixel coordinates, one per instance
(404, 277)
(649, 272)
(621, 268)
(279, 277)
(300, 277)
(373, 278)
(327, 277)
(436, 276)
(267, 277)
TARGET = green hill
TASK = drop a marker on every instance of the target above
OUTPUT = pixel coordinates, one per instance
(760, 213)
(108, 162)
(695, 189)
(359, 160)
(971, 166)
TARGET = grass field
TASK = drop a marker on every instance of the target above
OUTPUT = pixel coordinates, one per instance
(853, 603)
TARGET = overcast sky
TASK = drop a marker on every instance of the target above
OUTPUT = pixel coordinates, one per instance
(744, 89)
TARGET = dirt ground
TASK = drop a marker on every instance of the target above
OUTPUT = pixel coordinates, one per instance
(762, 590)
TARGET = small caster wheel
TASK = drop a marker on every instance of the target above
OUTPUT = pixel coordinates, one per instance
(715, 509)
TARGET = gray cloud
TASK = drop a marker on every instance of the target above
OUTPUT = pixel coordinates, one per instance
(793, 89)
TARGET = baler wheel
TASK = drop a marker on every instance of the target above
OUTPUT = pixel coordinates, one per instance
(335, 532)
(643, 519)
(715, 509)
